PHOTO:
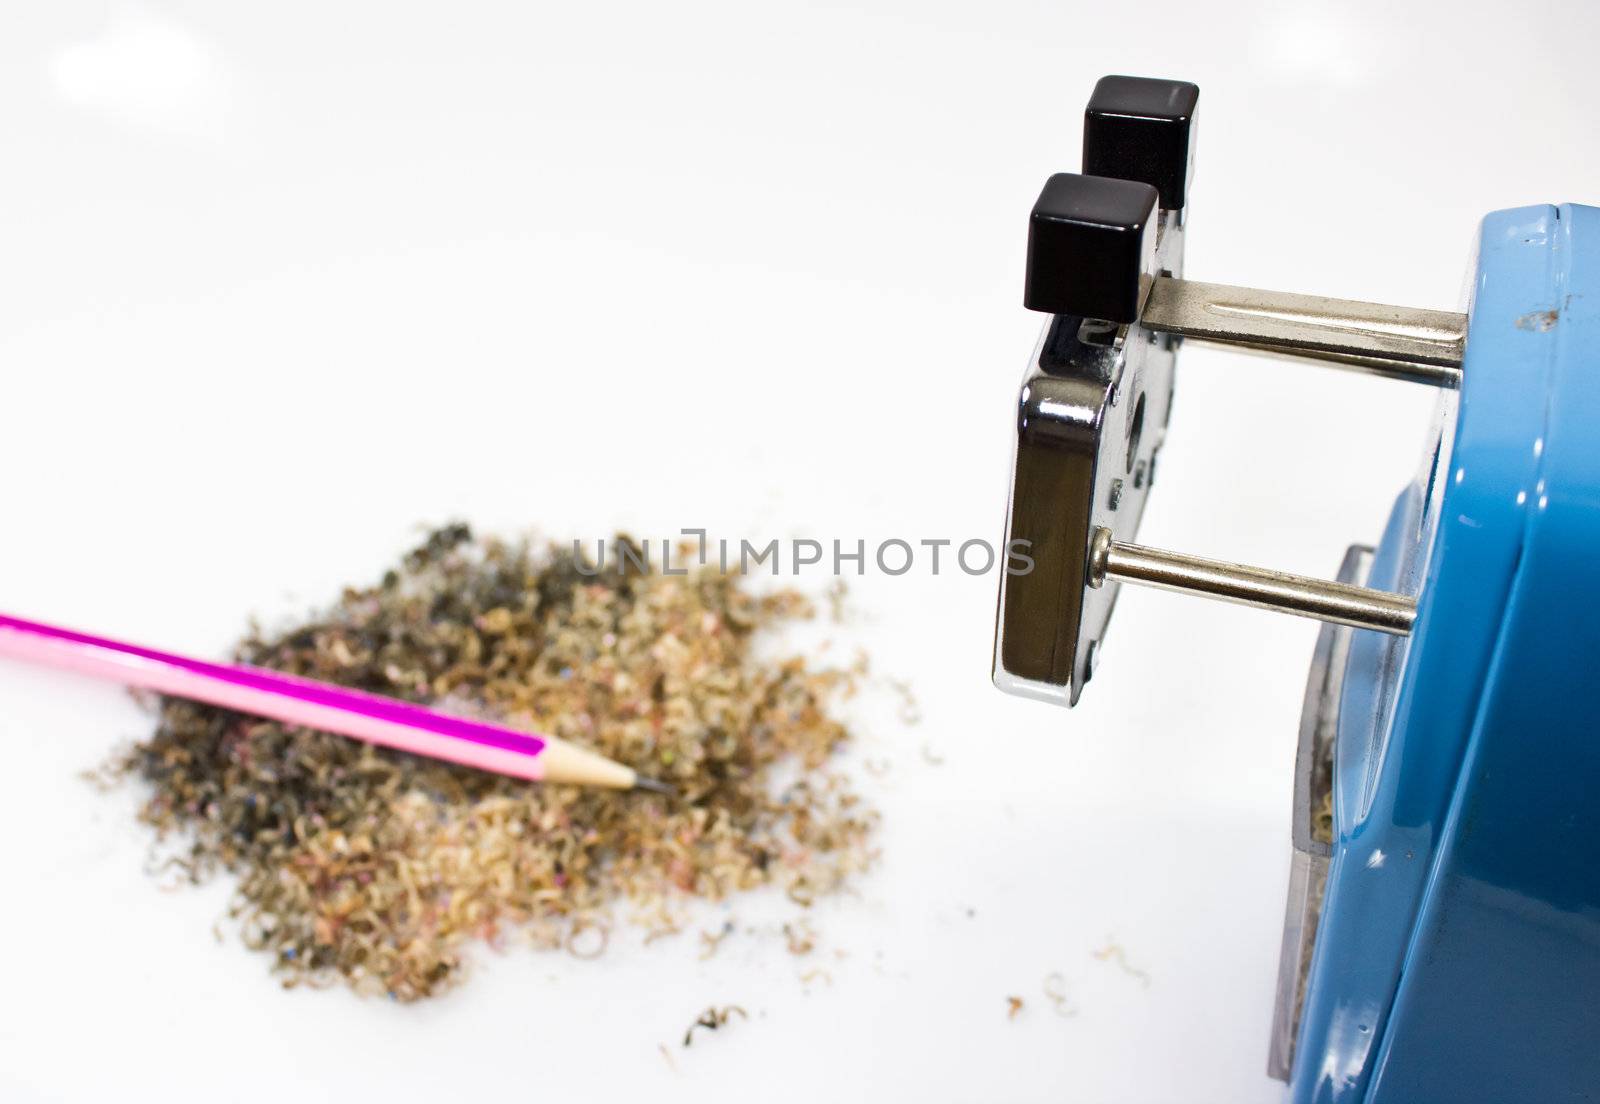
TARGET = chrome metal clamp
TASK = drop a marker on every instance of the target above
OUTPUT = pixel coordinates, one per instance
(1105, 262)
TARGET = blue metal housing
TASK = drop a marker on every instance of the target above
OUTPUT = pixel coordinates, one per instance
(1458, 951)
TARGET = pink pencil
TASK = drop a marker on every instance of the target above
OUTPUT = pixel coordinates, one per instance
(311, 704)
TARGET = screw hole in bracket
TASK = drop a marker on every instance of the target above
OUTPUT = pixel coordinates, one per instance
(1135, 430)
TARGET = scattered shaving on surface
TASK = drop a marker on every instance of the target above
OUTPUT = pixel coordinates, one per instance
(713, 1019)
(376, 868)
(1114, 952)
(1055, 991)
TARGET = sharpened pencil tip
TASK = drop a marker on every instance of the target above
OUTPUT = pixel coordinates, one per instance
(640, 782)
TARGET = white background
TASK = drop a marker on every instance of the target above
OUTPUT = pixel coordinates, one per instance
(279, 281)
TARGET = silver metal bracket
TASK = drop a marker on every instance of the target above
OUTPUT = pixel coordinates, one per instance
(1105, 262)
(1091, 417)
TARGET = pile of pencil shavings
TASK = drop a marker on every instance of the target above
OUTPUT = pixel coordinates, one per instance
(377, 868)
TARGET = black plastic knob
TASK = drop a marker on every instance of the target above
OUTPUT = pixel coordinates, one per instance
(1137, 128)
(1091, 247)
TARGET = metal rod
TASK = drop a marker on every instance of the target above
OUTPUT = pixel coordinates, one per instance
(1340, 603)
(1424, 346)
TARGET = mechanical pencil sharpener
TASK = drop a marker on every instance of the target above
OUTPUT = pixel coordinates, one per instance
(1442, 935)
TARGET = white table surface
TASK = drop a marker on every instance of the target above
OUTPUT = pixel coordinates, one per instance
(280, 281)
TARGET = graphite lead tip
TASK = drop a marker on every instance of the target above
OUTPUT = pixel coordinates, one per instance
(640, 782)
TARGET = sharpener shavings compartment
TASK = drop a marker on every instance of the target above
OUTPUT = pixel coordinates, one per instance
(1458, 950)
